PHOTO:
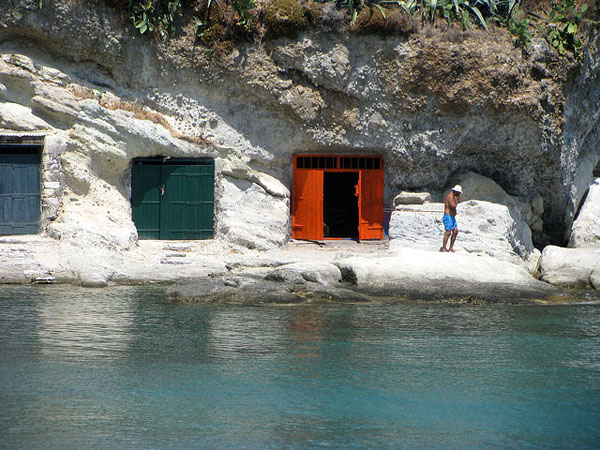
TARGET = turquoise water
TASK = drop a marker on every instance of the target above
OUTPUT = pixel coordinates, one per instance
(120, 368)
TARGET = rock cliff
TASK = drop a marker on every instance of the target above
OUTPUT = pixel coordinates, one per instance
(435, 105)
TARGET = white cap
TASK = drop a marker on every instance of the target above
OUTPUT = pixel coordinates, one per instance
(457, 188)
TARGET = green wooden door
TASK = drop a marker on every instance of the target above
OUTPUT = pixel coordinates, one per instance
(145, 199)
(187, 203)
(174, 199)
(19, 193)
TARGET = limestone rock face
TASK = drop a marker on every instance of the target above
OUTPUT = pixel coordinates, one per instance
(477, 187)
(530, 120)
(90, 163)
(484, 227)
(570, 267)
(17, 117)
(586, 227)
(411, 198)
(248, 215)
(327, 66)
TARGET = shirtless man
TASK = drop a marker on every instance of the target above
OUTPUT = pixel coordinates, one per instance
(449, 218)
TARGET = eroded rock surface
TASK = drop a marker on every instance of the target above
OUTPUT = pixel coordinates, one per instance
(248, 290)
(586, 227)
(407, 274)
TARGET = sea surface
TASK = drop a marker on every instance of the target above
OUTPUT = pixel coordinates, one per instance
(121, 368)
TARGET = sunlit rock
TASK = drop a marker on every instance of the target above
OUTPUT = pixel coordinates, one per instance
(570, 267)
(586, 227)
(484, 228)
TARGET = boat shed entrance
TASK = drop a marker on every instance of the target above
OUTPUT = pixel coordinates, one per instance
(19, 188)
(337, 197)
(173, 198)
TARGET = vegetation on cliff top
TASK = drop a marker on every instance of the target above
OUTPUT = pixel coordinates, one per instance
(219, 23)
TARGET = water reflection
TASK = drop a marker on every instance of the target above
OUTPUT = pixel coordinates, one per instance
(91, 325)
(120, 368)
(232, 335)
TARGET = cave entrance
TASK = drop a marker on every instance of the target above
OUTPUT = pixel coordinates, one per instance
(337, 197)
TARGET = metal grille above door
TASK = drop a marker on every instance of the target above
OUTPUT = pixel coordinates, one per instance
(173, 198)
(337, 162)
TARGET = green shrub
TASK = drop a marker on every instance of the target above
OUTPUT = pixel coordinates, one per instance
(155, 15)
(519, 25)
(563, 24)
(244, 8)
(224, 21)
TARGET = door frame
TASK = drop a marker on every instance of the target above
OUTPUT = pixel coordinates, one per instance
(370, 220)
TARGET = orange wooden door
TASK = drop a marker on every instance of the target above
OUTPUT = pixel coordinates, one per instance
(307, 204)
(370, 204)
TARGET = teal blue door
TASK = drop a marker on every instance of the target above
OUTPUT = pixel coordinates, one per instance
(173, 199)
(19, 193)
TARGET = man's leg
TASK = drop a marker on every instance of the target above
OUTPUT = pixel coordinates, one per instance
(454, 233)
(446, 236)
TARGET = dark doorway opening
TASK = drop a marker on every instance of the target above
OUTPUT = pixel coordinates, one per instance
(340, 205)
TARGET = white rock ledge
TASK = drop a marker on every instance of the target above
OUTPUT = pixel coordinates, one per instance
(304, 270)
(571, 267)
(429, 274)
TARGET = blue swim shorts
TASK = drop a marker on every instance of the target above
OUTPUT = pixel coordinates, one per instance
(449, 222)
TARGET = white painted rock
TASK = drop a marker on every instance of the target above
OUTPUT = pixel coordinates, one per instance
(235, 168)
(570, 267)
(485, 228)
(586, 227)
(89, 234)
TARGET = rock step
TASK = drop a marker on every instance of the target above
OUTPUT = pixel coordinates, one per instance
(12, 241)
(178, 248)
(49, 279)
(173, 261)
